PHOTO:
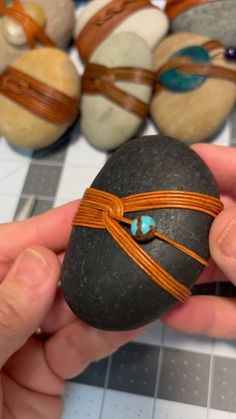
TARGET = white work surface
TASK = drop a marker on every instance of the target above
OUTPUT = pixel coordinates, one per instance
(163, 374)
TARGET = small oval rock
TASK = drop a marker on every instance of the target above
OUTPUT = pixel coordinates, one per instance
(100, 282)
(197, 114)
(105, 124)
(214, 19)
(24, 128)
(150, 23)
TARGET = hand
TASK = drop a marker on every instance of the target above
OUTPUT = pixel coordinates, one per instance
(33, 370)
(210, 315)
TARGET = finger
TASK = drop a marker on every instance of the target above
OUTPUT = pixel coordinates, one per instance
(22, 403)
(26, 295)
(30, 369)
(79, 344)
(58, 316)
(221, 161)
(205, 315)
(211, 274)
(223, 242)
(51, 229)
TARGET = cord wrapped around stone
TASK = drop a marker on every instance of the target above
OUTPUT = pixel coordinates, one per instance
(186, 66)
(37, 97)
(102, 210)
(104, 21)
(98, 79)
(33, 31)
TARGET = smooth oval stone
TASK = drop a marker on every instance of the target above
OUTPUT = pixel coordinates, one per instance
(148, 23)
(60, 21)
(198, 114)
(20, 126)
(100, 282)
(216, 20)
(105, 124)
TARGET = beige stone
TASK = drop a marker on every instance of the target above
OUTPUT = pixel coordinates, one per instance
(14, 32)
(20, 126)
(60, 21)
(195, 115)
(150, 24)
(105, 124)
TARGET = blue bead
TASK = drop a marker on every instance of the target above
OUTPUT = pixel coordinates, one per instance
(134, 227)
(143, 228)
(177, 81)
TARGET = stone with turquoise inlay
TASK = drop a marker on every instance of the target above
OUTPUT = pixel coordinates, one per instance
(100, 282)
(178, 81)
(143, 228)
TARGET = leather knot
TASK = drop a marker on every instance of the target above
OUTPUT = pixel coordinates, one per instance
(96, 206)
(112, 11)
(96, 74)
(100, 79)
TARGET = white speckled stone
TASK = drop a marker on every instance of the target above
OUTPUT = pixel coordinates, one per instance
(150, 24)
(195, 115)
(60, 17)
(23, 128)
(104, 123)
(216, 20)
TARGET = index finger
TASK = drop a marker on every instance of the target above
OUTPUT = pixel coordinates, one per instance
(221, 160)
(51, 229)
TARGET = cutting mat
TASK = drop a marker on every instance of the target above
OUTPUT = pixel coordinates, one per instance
(160, 375)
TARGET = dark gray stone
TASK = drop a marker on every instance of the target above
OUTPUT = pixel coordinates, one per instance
(100, 282)
(216, 20)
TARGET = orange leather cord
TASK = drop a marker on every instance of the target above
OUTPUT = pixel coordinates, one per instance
(98, 79)
(176, 7)
(185, 65)
(33, 31)
(104, 22)
(102, 210)
(37, 97)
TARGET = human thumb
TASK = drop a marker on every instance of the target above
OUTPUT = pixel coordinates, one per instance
(26, 295)
(223, 242)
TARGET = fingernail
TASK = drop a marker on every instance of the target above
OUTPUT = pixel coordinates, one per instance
(31, 268)
(227, 241)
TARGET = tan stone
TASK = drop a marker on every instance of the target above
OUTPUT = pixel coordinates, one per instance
(150, 24)
(60, 20)
(14, 32)
(20, 126)
(195, 115)
(105, 124)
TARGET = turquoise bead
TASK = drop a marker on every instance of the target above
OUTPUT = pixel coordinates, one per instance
(177, 81)
(143, 228)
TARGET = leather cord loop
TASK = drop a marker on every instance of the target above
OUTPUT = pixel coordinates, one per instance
(176, 7)
(102, 210)
(185, 65)
(33, 31)
(39, 98)
(104, 22)
(98, 79)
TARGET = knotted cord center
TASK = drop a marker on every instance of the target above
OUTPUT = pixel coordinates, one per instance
(102, 210)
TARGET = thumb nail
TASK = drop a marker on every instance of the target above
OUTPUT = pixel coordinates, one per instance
(227, 241)
(31, 268)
